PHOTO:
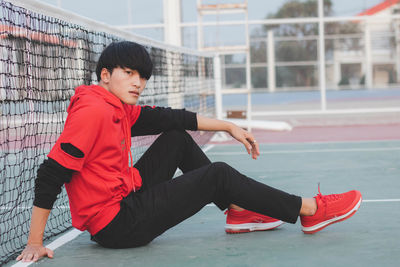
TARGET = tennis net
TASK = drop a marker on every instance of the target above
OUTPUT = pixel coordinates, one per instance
(42, 59)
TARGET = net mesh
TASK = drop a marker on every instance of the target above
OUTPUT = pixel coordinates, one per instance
(42, 60)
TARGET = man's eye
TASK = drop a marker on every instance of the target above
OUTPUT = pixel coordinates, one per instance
(129, 72)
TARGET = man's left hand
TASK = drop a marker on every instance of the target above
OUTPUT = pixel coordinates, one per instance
(247, 139)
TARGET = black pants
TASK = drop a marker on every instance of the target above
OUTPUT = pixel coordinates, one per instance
(163, 202)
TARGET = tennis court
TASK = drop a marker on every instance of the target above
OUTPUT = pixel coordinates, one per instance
(369, 238)
(346, 134)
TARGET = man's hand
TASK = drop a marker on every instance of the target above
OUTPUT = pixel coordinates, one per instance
(34, 253)
(247, 139)
(243, 136)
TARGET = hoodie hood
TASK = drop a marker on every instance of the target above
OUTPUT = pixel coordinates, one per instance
(96, 92)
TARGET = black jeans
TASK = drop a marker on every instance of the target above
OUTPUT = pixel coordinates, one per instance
(163, 202)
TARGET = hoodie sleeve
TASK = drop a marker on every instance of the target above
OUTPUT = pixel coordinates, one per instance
(155, 120)
(80, 133)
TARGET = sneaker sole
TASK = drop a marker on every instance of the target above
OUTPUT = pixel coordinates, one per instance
(320, 226)
(251, 227)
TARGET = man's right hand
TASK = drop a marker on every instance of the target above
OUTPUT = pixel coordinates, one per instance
(34, 253)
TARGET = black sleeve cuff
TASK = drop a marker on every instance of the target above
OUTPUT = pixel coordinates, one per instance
(50, 178)
(190, 120)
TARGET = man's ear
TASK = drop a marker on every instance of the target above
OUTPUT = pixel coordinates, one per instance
(105, 75)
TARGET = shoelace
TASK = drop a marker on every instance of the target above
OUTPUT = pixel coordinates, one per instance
(328, 198)
(226, 212)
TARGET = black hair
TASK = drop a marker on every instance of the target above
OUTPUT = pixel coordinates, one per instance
(125, 54)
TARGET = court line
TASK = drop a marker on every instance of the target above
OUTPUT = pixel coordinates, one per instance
(65, 238)
(364, 200)
(382, 200)
(310, 151)
(316, 142)
(207, 148)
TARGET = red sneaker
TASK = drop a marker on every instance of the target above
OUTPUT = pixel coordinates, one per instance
(247, 221)
(331, 209)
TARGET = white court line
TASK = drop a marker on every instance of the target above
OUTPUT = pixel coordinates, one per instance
(318, 143)
(65, 238)
(382, 200)
(364, 200)
(207, 148)
(311, 151)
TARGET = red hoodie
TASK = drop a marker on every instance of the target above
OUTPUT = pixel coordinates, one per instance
(99, 125)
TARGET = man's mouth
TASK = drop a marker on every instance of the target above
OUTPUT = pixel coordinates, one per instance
(134, 93)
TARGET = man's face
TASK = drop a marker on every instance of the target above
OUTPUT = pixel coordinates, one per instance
(124, 83)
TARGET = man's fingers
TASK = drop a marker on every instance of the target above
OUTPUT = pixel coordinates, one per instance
(34, 253)
(257, 148)
(254, 151)
(49, 252)
(248, 150)
(27, 257)
(247, 145)
(251, 140)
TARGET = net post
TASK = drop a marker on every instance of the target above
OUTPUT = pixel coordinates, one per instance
(368, 54)
(321, 53)
(218, 86)
(172, 20)
(248, 70)
(271, 62)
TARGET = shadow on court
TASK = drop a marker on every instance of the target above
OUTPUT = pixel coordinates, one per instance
(370, 238)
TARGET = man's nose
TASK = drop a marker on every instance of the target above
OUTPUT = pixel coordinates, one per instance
(136, 80)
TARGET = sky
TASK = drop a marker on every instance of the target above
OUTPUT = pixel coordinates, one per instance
(116, 12)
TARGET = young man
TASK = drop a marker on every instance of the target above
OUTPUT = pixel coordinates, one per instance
(127, 206)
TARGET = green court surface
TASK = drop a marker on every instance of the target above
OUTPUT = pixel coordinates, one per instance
(370, 238)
